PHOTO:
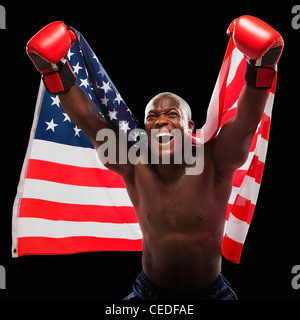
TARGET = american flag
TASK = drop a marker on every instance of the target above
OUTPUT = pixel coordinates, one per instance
(68, 202)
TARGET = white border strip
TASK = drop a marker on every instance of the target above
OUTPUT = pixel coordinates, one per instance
(15, 216)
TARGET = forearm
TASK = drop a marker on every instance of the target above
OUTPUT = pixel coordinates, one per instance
(251, 105)
(83, 112)
(241, 129)
(233, 142)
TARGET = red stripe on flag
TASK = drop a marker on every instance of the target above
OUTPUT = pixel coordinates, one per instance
(35, 208)
(229, 207)
(228, 115)
(231, 249)
(238, 178)
(256, 169)
(264, 128)
(243, 209)
(66, 174)
(223, 78)
(70, 245)
(273, 89)
(235, 87)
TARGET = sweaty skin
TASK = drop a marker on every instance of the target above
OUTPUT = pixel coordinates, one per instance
(181, 216)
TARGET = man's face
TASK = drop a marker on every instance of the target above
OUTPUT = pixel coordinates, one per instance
(165, 116)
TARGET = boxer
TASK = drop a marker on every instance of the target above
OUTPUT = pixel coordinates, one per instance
(181, 216)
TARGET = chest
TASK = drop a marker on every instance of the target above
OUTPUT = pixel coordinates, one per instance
(183, 203)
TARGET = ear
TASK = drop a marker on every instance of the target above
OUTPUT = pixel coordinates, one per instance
(191, 126)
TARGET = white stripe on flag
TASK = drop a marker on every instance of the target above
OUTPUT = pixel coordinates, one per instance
(237, 57)
(65, 154)
(65, 193)
(269, 105)
(249, 190)
(234, 192)
(211, 124)
(33, 227)
(261, 148)
(236, 229)
(260, 151)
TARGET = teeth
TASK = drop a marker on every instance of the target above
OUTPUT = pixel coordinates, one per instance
(164, 134)
(164, 137)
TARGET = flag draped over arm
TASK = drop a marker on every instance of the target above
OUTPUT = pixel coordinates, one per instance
(246, 179)
(68, 202)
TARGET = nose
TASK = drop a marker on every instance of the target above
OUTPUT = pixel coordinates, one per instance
(161, 121)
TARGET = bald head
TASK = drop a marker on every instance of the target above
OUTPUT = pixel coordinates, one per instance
(184, 108)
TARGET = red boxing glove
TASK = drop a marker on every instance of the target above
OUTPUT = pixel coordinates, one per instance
(47, 50)
(262, 45)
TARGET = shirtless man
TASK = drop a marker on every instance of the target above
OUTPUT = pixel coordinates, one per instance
(181, 216)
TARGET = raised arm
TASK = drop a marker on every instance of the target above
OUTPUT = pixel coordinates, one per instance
(262, 46)
(83, 113)
(47, 50)
(233, 142)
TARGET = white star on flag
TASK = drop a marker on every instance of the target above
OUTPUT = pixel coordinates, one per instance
(55, 100)
(77, 68)
(77, 130)
(67, 118)
(102, 72)
(51, 125)
(124, 125)
(84, 82)
(104, 101)
(118, 98)
(113, 114)
(105, 86)
(70, 54)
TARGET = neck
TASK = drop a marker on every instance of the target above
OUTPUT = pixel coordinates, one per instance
(170, 172)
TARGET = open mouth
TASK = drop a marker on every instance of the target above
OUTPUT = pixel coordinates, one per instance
(163, 137)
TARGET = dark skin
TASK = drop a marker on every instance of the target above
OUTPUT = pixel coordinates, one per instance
(181, 216)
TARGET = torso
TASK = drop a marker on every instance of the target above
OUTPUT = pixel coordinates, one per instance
(182, 222)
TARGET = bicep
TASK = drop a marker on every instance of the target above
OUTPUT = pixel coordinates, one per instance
(231, 146)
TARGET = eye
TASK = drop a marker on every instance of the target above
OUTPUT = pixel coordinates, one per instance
(173, 114)
(150, 117)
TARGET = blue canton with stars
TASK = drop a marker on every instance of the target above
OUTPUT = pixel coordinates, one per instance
(55, 125)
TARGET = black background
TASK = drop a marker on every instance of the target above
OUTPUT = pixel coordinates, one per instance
(146, 48)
